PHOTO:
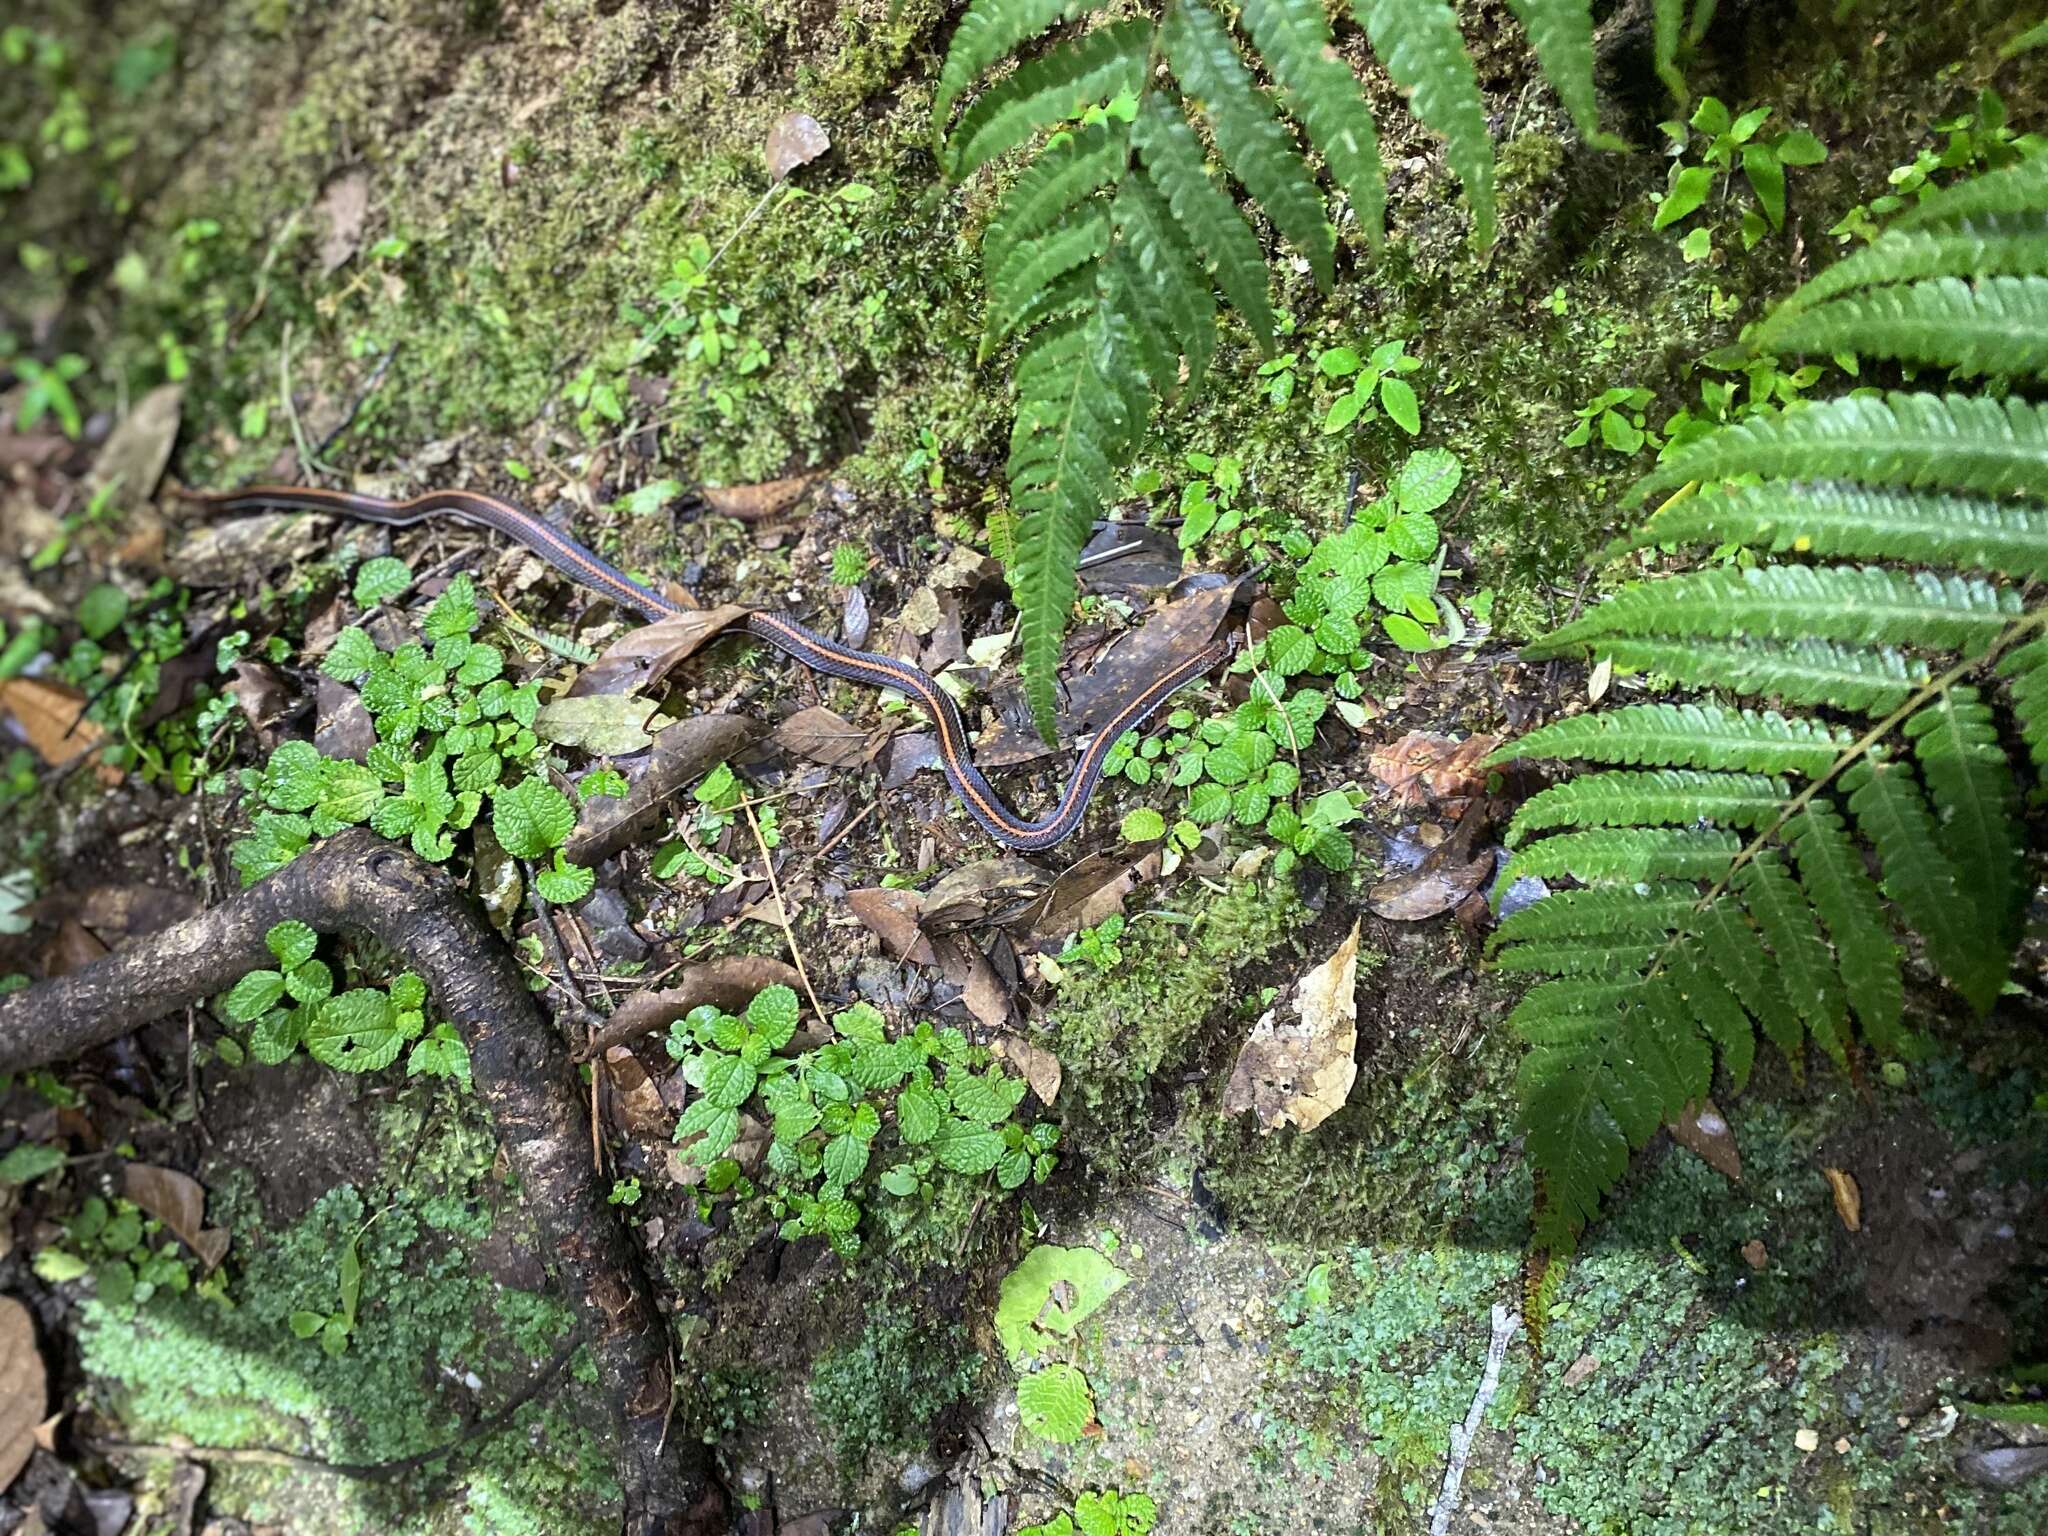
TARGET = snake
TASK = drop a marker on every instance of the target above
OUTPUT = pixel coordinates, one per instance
(590, 570)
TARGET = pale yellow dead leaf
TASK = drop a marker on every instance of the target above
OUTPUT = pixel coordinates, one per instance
(1848, 1198)
(1301, 1072)
(1040, 1067)
(48, 714)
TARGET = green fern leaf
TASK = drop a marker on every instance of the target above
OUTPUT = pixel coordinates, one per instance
(1571, 1138)
(1962, 442)
(1080, 409)
(1168, 271)
(1667, 30)
(1073, 294)
(1044, 90)
(1293, 38)
(1077, 242)
(2027, 667)
(1419, 43)
(1805, 964)
(1831, 869)
(1986, 246)
(1154, 346)
(1071, 168)
(1730, 948)
(1970, 782)
(988, 32)
(1209, 221)
(1249, 135)
(1922, 883)
(1719, 1014)
(1865, 605)
(1579, 957)
(1996, 325)
(1810, 672)
(1562, 33)
(1629, 855)
(2018, 188)
(1832, 517)
(1600, 910)
(1666, 796)
(1685, 735)
(1570, 995)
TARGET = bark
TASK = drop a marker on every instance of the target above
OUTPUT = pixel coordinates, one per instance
(521, 1069)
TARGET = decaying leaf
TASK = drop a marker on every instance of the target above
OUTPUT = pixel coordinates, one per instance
(1425, 766)
(49, 715)
(606, 724)
(1041, 1069)
(73, 948)
(796, 140)
(1301, 1072)
(1451, 872)
(756, 503)
(635, 1096)
(1087, 892)
(24, 1388)
(892, 917)
(1704, 1130)
(134, 455)
(825, 737)
(132, 911)
(996, 890)
(729, 982)
(178, 1201)
(683, 753)
(1848, 1198)
(342, 208)
(641, 658)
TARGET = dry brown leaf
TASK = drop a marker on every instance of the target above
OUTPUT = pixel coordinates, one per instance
(48, 714)
(635, 1096)
(641, 658)
(1580, 1369)
(136, 451)
(178, 1201)
(892, 917)
(795, 141)
(1451, 872)
(24, 1388)
(996, 890)
(985, 995)
(824, 737)
(132, 911)
(72, 949)
(755, 503)
(1086, 893)
(1040, 1067)
(1301, 1072)
(1755, 1254)
(1704, 1129)
(46, 1432)
(1848, 1198)
(1423, 765)
(342, 207)
(683, 753)
(729, 982)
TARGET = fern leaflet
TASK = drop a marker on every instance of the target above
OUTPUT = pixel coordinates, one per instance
(1418, 41)
(1998, 326)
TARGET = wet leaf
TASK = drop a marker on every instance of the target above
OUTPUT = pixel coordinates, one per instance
(756, 503)
(604, 724)
(24, 1388)
(1848, 1198)
(682, 754)
(729, 983)
(1704, 1130)
(1301, 1072)
(824, 737)
(1450, 873)
(1423, 765)
(178, 1201)
(892, 917)
(795, 141)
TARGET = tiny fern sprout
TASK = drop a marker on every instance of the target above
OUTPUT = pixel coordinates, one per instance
(1751, 862)
(1110, 254)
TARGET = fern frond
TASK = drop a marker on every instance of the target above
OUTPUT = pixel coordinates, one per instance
(1569, 995)
(1832, 517)
(1208, 219)
(1810, 672)
(2027, 667)
(1987, 246)
(1718, 1012)
(1805, 964)
(1997, 325)
(1662, 796)
(1080, 408)
(1071, 168)
(1865, 605)
(2018, 188)
(1686, 735)
(1962, 442)
(1922, 882)
(1561, 31)
(1730, 947)
(1970, 782)
(1168, 271)
(1249, 135)
(1077, 242)
(1582, 956)
(1831, 868)
(1602, 910)
(987, 33)
(1631, 855)
(1044, 90)
(1419, 44)
(1293, 39)
(1667, 30)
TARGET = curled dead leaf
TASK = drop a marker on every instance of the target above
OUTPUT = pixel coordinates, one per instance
(757, 503)
(1848, 1198)
(683, 753)
(1301, 1072)
(178, 1201)
(1423, 766)
(825, 737)
(795, 141)
(1041, 1069)
(51, 716)
(24, 1388)
(892, 917)
(635, 1097)
(729, 982)
(641, 658)
(1704, 1130)
(343, 206)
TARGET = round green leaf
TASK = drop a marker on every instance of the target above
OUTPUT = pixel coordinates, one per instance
(381, 578)
(101, 610)
(532, 818)
(1427, 480)
(1413, 535)
(254, 995)
(1289, 650)
(1143, 825)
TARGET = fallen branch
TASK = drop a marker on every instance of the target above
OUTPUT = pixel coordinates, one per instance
(520, 1067)
(1505, 1323)
(730, 982)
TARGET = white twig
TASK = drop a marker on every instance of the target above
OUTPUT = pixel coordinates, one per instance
(1505, 1323)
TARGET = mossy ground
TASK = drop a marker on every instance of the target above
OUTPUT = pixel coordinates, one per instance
(532, 175)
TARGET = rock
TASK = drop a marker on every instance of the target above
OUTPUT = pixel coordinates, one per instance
(2004, 1468)
(916, 1474)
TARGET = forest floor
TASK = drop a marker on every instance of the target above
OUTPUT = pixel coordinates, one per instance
(433, 243)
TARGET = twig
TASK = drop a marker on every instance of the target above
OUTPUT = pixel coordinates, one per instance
(192, 1073)
(551, 940)
(310, 467)
(1505, 1323)
(796, 955)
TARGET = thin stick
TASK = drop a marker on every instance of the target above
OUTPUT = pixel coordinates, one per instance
(796, 955)
(1504, 1325)
(310, 468)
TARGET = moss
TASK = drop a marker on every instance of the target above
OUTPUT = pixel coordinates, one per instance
(884, 1390)
(1117, 1030)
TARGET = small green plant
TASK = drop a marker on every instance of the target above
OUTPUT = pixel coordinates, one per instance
(718, 799)
(333, 1329)
(1618, 415)
(849, 565)
(882, 1391)
(926, 461)
(129, 1254)
(362, 1029)
(1731, 139)
(1376, 386)
(1096, 946)
(624, 1192)
(1979, 139)
(46, 391)
(118, 663)
(1101, 1514)
(952, 1113)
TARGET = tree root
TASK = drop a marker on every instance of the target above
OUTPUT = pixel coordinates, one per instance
(521, 1069)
